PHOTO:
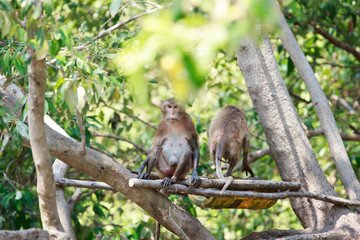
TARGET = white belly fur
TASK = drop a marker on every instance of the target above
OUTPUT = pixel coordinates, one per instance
(173, 148)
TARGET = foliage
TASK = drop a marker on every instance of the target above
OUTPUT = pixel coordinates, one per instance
(187, 50)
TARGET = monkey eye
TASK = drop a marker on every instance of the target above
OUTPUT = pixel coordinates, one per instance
(175, 106)
(169, 106)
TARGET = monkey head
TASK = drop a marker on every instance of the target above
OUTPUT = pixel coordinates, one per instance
(171, 110)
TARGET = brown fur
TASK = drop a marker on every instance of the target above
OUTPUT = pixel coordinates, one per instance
(175, 146)
(228, 136)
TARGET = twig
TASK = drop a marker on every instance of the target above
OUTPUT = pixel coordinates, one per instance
(340, 66)
(57, 68)
(82, 131)
(298, 97)
(122, 8)
(143, 150)
(134, 182)
(152, 125)
(116, 26)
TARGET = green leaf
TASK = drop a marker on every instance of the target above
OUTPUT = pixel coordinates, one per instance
(98, 211)
(48, 6)
(55, 47)
(65, 37)
(5, 201)
(5, 4)
(37, 12)
(290, 67)
(27, 7)
(6, 24)
(70, 97)
(23, 129)
(114, 7)
(153, 81)
(81, 98)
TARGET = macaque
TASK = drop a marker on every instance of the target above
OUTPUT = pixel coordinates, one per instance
(229, 135)
(175, 148)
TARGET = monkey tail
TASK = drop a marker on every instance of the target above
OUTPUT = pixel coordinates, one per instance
(157, 230)
(219, 154)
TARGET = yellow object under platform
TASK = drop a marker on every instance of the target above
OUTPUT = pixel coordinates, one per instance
(232, 202)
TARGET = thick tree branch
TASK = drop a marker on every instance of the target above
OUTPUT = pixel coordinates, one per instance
(134, 182)
(42, 160)
(243, 184)
(322, 108)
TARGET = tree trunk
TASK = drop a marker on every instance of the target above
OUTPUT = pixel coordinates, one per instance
(322, 108)
(289, 144)
(41, 155)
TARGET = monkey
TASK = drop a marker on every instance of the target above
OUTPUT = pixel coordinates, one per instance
(175, 148)
(228, 136)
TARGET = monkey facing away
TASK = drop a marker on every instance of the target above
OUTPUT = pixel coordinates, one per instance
(229, 135)
(175, 148)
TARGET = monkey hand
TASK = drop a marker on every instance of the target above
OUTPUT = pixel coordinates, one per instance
(166, 182)
(247, 169)
(195, 181)
(144, 175)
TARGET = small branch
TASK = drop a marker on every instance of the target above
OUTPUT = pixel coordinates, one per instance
(64, 182)
(299, 98)
(143, 150)
(82, 131)
(57, 68)
(74, 199)
(152, 125)
(340, 66)
(122, 8)
(344, 136)
(116, 26)
(134, 182)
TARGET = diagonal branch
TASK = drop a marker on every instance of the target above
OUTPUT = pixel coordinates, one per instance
(337, 42)
(116, 26)
(140, 148)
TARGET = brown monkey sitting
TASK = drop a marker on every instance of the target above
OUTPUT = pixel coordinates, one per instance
(229, 135)
(175, 148)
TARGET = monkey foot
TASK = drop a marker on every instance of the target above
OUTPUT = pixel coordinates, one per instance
(167, 182)
(195, 182)
(247, 170)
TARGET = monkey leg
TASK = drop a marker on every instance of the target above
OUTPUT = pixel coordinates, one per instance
(218, 158)
(181, 170)
(246, 166)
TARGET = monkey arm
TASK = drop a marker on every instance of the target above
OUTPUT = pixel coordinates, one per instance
(193, 143)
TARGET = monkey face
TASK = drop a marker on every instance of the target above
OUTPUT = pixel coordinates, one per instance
(171, 110)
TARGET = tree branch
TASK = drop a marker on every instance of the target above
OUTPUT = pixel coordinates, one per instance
(45, 177)
(321, 104)
(336, 42)
(152, 125)
(143, 150)
(157, 184)
(116, 26)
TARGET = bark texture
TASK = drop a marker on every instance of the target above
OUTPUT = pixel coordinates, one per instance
(287, 139)
(322, 108)
(33, 234)
(41, 155)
